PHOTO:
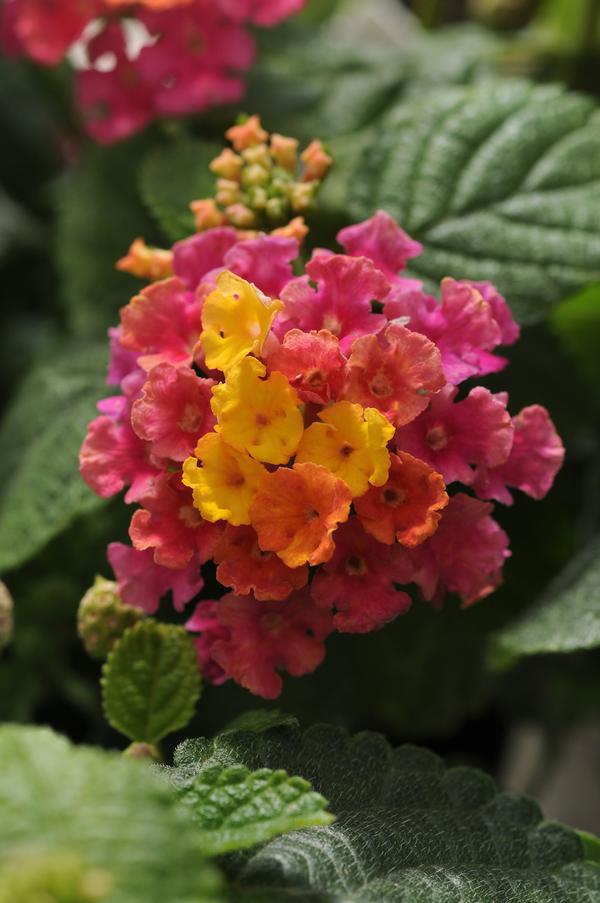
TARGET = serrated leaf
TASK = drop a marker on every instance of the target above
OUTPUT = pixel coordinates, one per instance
(235, 808)
(407, 828)
(113, 813)
(99, 215)
(171, 177)
(151, 681)
(566, 619)
(499, 181)
(40, 437)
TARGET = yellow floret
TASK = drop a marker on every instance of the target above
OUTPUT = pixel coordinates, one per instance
(224, 481)
(256, 415)
(351, 442)
(236, 319)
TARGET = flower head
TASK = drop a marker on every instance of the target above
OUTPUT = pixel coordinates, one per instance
(396, 372)
(312, 362)
(246, 568)
(408, 507)
(351, 442)
(295, 512)
(266, 636)
(358, 582)
(235, 321)
(257, 415)
(223, 481)
(173, 411)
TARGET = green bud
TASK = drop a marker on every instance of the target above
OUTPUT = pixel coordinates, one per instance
(254, 175)
(6, 616)
(103, 618)
(257, 198)
(276, 208)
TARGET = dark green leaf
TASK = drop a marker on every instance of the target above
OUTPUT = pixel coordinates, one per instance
(171, 177)
(407, 829)
(260, 720)
(100, 214)
(151, 681)
(500, 181)
(566, 619)
(40, 436)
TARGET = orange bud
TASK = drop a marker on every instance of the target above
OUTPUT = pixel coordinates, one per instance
(145, 262)
(296, 228)
(284, 151)
(227, 164)
(247, 133)
(207, 214)
(239, 215)
(316, 161)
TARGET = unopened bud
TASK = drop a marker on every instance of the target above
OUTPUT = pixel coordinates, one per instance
(296, 228)
(228, 192)
(206, 214)
(103, 618)
(302, 195)
(227, 165)
(255, 175)
(258, 156)
(257, 198)
(316, 161)
(276, 208)
(247, 133)
(6, 616)
(240, 216)
(284, 151)
(145, 262)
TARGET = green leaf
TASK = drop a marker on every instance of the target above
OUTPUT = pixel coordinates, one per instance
(40, 435)
(260, 720)
(577, 323)
(172, 177)
(499, 181)
(110, 813)
(407, 828)
(99, 215)
(151, 681)
(566, 619)
(236, 808)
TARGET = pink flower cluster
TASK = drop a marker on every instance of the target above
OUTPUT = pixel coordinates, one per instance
(192, 56)
(352, 327)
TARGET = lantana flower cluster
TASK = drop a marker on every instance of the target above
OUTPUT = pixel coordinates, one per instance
(320, 439)
(138, 61)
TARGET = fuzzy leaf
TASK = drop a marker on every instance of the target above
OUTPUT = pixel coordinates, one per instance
(111, 813)
(499, 181)
(151, 681)
(566, 619)
(40, 436)
(407, 829)
(236, 808)
(173, 176)
(260, 720)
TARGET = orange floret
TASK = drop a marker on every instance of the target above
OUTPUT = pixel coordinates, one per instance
(295, 512)
(145, 262)
(406, 508)
(247, 133)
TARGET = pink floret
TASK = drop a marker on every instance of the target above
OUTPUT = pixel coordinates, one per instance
(382, 240)
(455, 436)
(536, 457)
(205, 621)
(143, 583)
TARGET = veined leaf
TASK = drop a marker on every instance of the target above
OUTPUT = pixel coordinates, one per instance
(235, 808)
(499, 181)
(407, 829)
(40, 437)
(566, 619)
(151, 681)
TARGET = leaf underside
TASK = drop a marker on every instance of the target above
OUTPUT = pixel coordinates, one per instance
(406, 829)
